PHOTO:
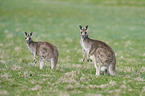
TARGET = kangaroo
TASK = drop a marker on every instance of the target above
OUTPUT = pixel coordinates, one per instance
(45, 50)
(100, 53)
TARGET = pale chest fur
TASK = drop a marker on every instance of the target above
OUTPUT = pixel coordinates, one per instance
(30, 48)
(84, 45)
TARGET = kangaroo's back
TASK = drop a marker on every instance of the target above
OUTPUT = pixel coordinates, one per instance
(47, 49)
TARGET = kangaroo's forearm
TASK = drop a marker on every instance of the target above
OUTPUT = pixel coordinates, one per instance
(88, 52)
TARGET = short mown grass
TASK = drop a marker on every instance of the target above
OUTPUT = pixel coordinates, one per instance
(119, 23)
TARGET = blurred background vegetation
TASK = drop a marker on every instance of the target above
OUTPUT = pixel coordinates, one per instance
(119, 23)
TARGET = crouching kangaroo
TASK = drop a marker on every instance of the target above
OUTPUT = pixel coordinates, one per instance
(45, 50)
(102, 54)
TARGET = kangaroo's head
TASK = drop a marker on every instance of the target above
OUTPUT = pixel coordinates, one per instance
(83, 31)
(28, 37)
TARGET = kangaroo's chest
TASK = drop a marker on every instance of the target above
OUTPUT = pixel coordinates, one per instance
(84, 46)
(31, 49)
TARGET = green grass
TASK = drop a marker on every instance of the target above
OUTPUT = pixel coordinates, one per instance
(118, 23)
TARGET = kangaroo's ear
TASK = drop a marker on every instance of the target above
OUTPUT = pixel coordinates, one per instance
(31, 34)
(87, 27)
(25, 33)
(80, 27)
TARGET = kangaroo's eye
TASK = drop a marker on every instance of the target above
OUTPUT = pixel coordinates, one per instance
(81, 32)
(25, 37)
(85, 32)
(29, 38)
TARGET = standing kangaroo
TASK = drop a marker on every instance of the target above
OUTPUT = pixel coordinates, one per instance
(45, 50)
(102, 54)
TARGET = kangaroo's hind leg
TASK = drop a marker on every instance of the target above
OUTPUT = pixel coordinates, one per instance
(97, 65)
(41, 64)
(53, 63)
(98, 69)
(42, 59)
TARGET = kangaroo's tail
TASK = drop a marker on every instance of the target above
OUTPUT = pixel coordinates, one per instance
(112, 65)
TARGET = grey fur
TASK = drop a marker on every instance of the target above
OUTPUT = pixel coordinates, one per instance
(101, 53)
(45, 50)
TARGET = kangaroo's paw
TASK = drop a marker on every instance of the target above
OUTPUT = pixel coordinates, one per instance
(34, 60)
(89, 60)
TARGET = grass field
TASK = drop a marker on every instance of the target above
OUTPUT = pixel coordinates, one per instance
(121, 24)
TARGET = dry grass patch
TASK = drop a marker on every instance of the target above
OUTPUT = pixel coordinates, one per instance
(16, 67)
(4, 93)
(139, 79)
